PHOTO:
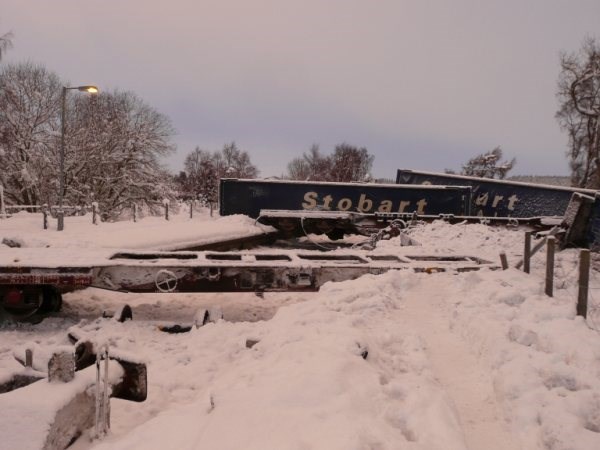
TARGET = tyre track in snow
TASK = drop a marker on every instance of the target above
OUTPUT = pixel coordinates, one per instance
(466, 379)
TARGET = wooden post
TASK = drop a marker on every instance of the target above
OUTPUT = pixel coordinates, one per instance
(527, 252)
(134, 212)
(191, 208)
(211, 209)
(584, 278)
(94, 213)
(28, 358)
(166, 211)
(45, 214)
(2, 208)
(551, 245)
(504, 261)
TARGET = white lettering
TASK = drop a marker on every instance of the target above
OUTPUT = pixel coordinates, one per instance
(403, 205)
(386, 206)
(364, 204)
(482, 199)
(344, 204)
(310, 200)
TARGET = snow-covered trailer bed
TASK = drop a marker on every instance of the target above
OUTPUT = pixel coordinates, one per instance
(31, 279)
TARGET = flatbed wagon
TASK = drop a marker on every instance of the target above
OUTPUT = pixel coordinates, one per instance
(32, 280)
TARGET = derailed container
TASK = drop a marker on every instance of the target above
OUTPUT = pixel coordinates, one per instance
(501, 198)
(250, 196)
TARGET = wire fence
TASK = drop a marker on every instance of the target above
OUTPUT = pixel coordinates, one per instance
(567, 280)
(575, 278)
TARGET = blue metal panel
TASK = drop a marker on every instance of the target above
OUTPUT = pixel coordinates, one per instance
(593, 236)
(500, 198)
(250, 196)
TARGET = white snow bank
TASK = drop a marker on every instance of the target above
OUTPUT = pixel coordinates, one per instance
(306, 384)
(148, 233)
(39, 403)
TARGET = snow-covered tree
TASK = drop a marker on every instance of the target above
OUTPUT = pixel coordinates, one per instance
(488, 165)
(579, 113)
(29, 124)
(115, 143)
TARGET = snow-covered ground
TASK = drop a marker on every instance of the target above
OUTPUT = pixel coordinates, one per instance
(479, 360)
(151, 232)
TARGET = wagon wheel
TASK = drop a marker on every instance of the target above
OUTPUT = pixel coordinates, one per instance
(165, 280)
(22, 303)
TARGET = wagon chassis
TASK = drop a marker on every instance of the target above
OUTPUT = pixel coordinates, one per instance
(31, 290)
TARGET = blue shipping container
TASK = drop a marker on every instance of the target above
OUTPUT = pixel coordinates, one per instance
(250, 196)
(501, 198)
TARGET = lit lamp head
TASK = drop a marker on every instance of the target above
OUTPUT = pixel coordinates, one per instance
(88, 89)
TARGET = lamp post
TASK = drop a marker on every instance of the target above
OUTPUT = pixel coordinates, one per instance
(90, 90)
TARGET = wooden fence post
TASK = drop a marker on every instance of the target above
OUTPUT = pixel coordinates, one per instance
(135, 212)
(527, 252)
(45, 214)
(191, 208)
(28, 358)
(95, 213)
(550, 247)
(166, 211)
(504, 261)
(2, 208)
(584, 278)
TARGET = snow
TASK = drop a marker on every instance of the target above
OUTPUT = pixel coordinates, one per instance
(507, 181)
(179, 232)
(479, 360)
(38, 404)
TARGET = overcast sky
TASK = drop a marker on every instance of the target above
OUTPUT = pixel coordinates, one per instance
(422, 84)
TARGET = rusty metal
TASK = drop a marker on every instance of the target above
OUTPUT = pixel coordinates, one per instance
(337, 223)
(233, 271)
(251, 272)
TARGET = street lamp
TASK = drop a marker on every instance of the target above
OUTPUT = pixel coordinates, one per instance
(89, 90)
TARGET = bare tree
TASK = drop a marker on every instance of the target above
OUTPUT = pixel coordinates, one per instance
(199, 178)
(203, 170)
(319, 164)
(29, 112)
(298, 169)
(5, 43)
(347, 163)
(231, 162)
(579, 113)
(488, 165)
(311, 166)
(350, 163)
